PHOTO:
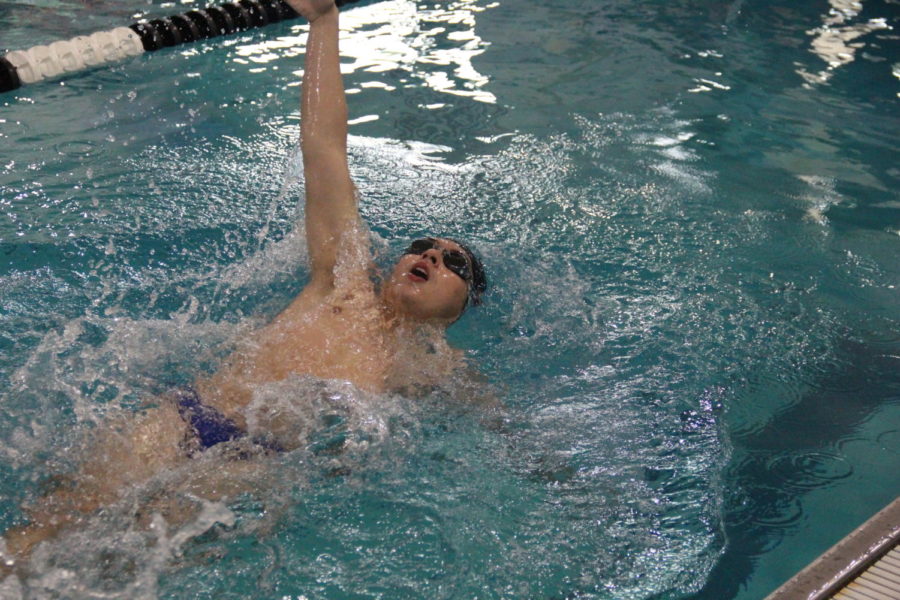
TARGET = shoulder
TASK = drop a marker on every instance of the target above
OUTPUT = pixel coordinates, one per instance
(357, 290)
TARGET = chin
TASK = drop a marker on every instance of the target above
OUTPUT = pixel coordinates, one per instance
(412, 301)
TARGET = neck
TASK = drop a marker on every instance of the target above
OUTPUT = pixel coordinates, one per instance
(405, 326)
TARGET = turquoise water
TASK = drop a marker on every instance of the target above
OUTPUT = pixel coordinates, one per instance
(688, 211)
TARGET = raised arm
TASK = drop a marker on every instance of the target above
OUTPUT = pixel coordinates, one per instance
(331, 208)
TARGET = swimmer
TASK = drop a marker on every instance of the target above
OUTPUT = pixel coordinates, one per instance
(341, 326)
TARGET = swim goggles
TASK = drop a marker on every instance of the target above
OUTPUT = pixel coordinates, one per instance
(454, 260)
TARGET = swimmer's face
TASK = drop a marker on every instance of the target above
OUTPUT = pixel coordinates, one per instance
(423, 287)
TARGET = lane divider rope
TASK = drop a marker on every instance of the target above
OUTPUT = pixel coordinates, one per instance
(20, 67)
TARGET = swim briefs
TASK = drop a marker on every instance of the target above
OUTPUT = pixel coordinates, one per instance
(209, 425)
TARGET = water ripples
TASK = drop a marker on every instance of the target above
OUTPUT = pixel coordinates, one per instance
(801, 471)
(78, 149)
(889, 441)
(662, 302)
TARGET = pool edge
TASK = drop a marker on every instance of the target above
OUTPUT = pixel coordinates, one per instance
(847, 559)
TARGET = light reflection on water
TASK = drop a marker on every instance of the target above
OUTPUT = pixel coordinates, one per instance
(693, 320)
(397, 36)
(834, 41)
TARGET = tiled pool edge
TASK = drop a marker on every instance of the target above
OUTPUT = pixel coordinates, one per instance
(846, 560)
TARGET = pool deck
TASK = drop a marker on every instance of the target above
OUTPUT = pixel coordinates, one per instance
(865, 565)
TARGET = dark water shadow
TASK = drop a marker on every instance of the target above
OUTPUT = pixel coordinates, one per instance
(775, 467)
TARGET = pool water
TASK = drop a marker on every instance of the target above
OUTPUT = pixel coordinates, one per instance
(690, 220)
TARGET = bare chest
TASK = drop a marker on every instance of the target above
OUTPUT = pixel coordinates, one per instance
(334, 341)
(342, 338)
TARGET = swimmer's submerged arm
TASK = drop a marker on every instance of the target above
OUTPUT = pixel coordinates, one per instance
(331, 208)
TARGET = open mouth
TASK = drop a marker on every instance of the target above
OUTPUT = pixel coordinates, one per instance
(419, 272)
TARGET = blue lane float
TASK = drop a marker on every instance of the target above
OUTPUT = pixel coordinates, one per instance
(20, 67)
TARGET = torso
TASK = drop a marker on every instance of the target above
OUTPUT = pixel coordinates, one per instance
(340, 334)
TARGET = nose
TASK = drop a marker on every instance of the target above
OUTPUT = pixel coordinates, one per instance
(432, 254)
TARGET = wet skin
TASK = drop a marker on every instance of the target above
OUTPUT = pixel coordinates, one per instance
(378, 340)
(340, 326)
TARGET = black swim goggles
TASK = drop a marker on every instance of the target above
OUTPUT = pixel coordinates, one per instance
(454, 260)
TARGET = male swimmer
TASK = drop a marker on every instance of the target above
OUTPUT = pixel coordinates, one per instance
(341, 326)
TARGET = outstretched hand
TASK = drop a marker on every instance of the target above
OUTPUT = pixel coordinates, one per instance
(311, 9)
